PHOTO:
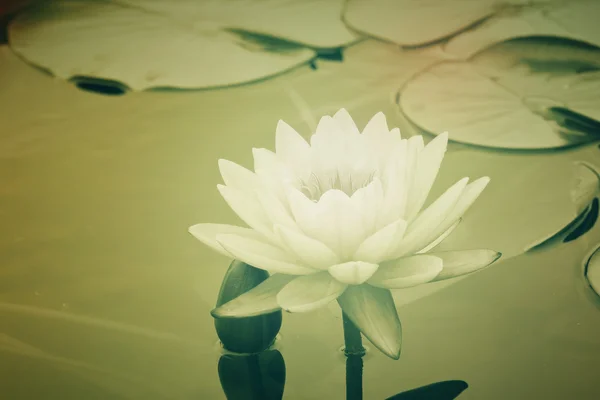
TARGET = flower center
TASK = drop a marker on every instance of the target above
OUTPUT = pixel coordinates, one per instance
(317, 184)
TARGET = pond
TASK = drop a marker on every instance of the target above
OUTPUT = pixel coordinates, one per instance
(104, 294)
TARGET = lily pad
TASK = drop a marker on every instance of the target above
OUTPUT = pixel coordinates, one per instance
(509, 108)
(180, 44)
(415, 22)
(592, 271)
(576, 20)
(584, 191)
(418, 22)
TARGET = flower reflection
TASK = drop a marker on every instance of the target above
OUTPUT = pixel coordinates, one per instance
(343, 217)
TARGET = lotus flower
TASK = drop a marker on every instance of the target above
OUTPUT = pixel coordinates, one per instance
(343, 217)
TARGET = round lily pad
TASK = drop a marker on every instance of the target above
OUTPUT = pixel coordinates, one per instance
(175, 43)
(511, 108)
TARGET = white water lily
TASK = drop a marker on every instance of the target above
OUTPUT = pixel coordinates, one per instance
(343, 217)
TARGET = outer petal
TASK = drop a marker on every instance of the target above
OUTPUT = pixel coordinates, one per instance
(376, 247)
(373, 311)
(467, 198)
(309, 250)
(407, 272)
(260, 300)
(238, 177)
(440, 238)
(207, 234)
(248, 208)
(457, 263)
(307, 293)
(428, 165)
(353, 272)
(425, 227)
(262, 255)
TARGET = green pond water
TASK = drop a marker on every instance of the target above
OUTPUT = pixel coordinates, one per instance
(105, 295)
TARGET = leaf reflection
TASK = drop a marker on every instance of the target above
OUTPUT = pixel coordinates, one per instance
(445, 390)
(252, 376)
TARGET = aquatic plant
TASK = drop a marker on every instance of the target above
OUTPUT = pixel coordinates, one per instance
(343, 217)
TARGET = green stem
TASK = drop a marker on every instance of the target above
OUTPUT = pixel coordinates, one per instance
(354, 351)
(352, 339)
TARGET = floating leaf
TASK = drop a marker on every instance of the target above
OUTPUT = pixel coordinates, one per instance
(504, 108)
(592, 271)
(472, 25)
(415, 22)
(529, 199)
(182, 44)
(446, 390)
(373, 311)
(576, 20)
(586, 186)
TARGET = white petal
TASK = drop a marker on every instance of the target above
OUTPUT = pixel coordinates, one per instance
(307, 293)
(292, 149)
(395, 186)
(468, 197)
(257, 301)
(339, 223)
(376, 125)
(248, 208)
(440, 238)
(310, 251)
(419, 232)
(207, 234)
(377, 246)
(345, 122)
(353, 272)
(368, 201)
(457, 263)
(407, 272)
(429, 162)
(466, 200)
(265, 159)
(275, 210)
(238, 177)
(263, 255)
(415, 145)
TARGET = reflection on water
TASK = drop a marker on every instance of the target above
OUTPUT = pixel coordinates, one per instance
(446, 390)
(254, 376)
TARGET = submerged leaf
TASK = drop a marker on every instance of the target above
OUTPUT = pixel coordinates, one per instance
(181, 44)
(373, 311)
(504, 108)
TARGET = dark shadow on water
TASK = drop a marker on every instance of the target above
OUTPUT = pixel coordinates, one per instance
(100, 86)
(445, 390)
(254, 376)
(582, 224)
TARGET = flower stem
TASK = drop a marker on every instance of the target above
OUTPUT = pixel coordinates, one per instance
(352, 339)
(354, 351)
